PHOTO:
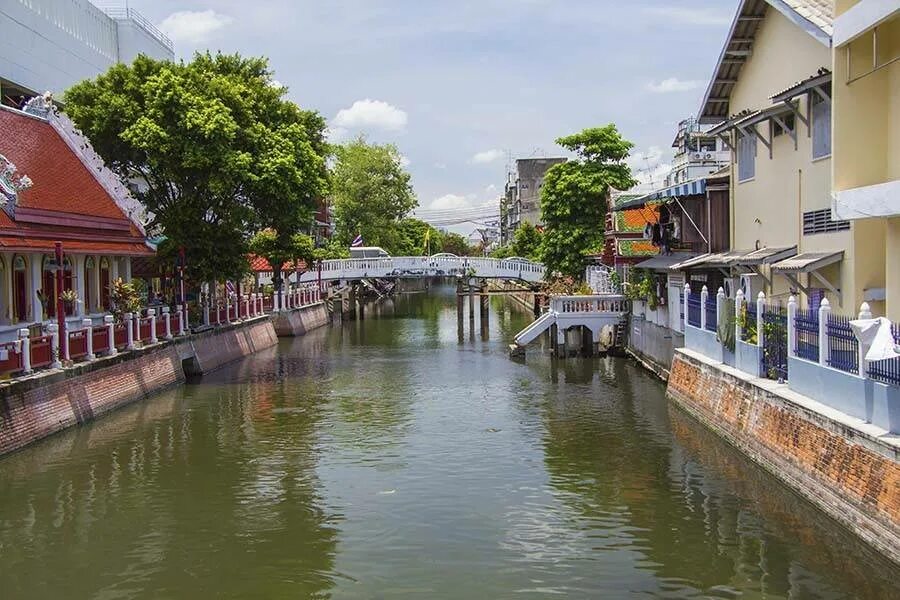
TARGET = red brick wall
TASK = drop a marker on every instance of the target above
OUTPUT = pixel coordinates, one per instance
(852, 477)
(34, 408)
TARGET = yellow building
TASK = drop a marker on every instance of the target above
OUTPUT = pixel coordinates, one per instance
(866, 163)
(770, 100)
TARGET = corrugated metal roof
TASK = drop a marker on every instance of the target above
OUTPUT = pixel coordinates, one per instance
(809, 261)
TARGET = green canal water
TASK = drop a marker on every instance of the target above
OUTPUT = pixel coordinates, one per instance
(394, 458)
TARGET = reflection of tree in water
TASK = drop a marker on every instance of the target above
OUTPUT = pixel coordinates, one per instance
(217, 494)
(609, 449)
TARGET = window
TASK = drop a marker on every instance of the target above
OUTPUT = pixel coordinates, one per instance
(821, 126)
(20, 288)
(820, 221)
(746, 157)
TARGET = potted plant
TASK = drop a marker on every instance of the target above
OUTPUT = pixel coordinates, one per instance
(69, 298)
(125, 298)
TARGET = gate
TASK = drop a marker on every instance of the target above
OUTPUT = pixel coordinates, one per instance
(775, 346)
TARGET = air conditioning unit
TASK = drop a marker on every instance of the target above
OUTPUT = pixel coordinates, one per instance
(708, 156)
(697, 156)
(751, 285)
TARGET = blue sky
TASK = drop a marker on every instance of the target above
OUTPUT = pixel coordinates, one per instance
(459, 85)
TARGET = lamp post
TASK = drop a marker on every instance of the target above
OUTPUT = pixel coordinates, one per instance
(60, 304)
(184, 313)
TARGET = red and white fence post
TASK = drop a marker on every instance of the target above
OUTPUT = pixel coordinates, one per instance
(129, 332)
(53, 330)
(25, 347)
(151, 312)
(167, 316)
(110, 323)
(181, 317)
(88, 326)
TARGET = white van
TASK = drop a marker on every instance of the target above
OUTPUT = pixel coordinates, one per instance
(368, 252)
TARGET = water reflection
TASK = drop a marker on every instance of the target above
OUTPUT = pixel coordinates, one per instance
(388, 458)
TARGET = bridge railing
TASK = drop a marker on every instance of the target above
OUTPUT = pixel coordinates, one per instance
(428, 265)
(605, 303)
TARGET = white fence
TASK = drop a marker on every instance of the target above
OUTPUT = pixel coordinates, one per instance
(425, 266)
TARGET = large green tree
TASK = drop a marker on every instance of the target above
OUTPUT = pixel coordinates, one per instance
(416, 238)
(372, 193)
(273, 247)
(218, 149)
(574, 197)
(455, 243)
(527, 242)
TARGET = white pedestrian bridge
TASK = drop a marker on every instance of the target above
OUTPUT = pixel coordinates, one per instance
(409, 267)
(596, 313)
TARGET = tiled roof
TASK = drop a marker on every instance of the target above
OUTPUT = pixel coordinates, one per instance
(65, 202)
(61, 181)
(818, 12)
(258, 264)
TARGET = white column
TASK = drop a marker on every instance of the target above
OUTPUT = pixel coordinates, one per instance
(113, 269)
(25, 347)
(704, 298)
(792, 327)
(168, 321)
(180, 310)
(227, 307)
(110, 325)
(80, 284)
(127, 264)
(96, 285)
(824, 342)
(35, 265)
(864, 313)
(129, 330)
(738, 310)
(687, 295)
(151, 312)
(88, 327)
(760, 319)
(53, 330)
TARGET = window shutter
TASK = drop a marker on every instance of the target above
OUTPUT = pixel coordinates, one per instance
(821, 134)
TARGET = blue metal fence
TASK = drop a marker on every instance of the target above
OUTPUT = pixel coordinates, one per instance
(694, 310)
(843, 348)
(712, 314)
(887, 371)
(806, 326)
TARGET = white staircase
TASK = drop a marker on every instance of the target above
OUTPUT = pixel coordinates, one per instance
(595, 312)
(536, 328)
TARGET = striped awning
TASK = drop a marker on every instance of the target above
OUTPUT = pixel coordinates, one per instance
(694, 187)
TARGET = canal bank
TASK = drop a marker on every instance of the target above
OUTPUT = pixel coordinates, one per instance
(40, 405)
(389, 458)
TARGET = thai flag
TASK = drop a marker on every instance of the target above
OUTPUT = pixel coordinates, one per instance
(357, 241)
(229, 287)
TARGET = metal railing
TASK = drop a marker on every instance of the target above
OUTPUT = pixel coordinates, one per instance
(126, 13)
(887, 371)
(694, 310)
(712, 314)
(806, 325)
(843, 347)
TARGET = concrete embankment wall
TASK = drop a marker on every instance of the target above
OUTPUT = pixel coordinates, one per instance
(653, 345)
(851, 474)
(298, 322)
(521, 295)
(35, 407)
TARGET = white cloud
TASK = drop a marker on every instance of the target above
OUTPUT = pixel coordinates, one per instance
(689, 16)
(194, 27)
(371, 114)
(488, 156)
(673, 84)
(449, 201)
(336, 135)
(491, 189)
(649, 168)
(404, 161)
(440, 165)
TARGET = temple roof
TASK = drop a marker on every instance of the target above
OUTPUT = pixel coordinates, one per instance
(65, 202)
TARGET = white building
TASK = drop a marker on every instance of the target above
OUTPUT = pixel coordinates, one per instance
(49, 45)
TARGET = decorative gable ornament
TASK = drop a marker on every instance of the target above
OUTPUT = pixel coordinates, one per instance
(11, 183)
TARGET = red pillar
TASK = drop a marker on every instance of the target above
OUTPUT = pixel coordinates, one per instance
(60, 305)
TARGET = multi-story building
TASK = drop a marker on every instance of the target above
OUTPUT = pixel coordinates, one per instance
(49, 45)
(865, 106)
(697, 153)
(770, 101)
(522, 198)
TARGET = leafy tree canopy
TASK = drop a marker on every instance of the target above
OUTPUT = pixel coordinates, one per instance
(371, 192)
(221, 153)
(271, 246)
(527, 242)
(456, 244)
(416, 238)
(574, 197)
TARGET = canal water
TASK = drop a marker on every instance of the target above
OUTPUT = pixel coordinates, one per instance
(396, 458)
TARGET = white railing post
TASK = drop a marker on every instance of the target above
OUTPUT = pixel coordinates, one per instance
(246, 300)
(738, 313)
(180, 309)
(824, 342)
(687, 306)
(25, 346)
(260, 309)
(704, 298)
(53, 330)
(151, 312)
(227, 307)
(136, 338)
(792, 327)
(206, 311)
(760, 319)
(167, 319)
(253, 305)
(88, 326)
(864, 313)
(129, 331)
(720, 302)
(110, 323)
